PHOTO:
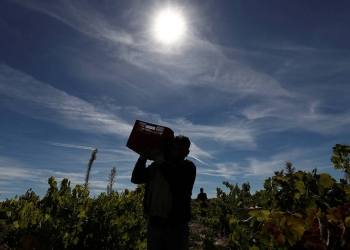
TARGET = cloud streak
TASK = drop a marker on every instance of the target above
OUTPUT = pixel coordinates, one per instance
(53, 105)
(49, 104)
(122, 152)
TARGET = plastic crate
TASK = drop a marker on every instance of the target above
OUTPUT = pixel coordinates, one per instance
(145, 136)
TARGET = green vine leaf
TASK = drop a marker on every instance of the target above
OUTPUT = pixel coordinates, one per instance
(326, 181)
(16, 225)
(300, 186)
(233, 220)
(347, 221)
(280, 178)
(334, 214)
(259, 214)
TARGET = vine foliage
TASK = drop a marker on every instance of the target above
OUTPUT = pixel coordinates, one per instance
(294, 210)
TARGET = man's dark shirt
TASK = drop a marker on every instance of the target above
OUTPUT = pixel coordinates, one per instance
(202, 197)
(180, 176)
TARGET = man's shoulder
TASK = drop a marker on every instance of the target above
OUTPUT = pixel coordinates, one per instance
(190, 168)
(189, 163)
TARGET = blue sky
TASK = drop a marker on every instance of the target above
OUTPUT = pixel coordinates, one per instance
(254, 84)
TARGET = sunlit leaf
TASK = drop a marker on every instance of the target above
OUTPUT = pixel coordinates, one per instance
(347, 190)
(300, 174)
(334, 214)
(252, 221)
(267, 184)
(253, 212)
(269, 224)
(277, 215)
(259, 214)
(311, 224)
(34, 218)
(326, 181)
(233, 220)
(347, 221)
(280, 178)
(300, 186)
(264, 201)
(297, 215)
(81, 214)
(311, 212)
(297, 229)
(297, 196)
(23, 223)
(75, 241)
(283, 222)
(46, 217)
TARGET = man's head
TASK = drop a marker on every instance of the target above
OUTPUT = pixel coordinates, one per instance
(180, 148)
(201, 189)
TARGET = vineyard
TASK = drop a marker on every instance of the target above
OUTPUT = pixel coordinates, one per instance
(293, 210)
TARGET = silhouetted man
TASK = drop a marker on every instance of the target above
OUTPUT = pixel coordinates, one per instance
(203, 198)
(167, 201)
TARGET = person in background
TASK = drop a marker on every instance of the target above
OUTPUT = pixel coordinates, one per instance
(204, 205)
(167, 201)
(202, 196)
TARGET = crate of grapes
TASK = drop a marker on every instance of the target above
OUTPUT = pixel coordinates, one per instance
(145, 136)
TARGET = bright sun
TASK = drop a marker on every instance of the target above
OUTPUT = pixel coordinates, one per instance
(169, 26)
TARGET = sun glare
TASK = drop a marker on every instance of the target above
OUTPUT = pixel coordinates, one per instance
(169, 26)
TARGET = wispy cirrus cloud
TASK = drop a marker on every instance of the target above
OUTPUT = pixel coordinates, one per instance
(236, 133)
(14, 170)
(255, 167)
(258, 167)
(70, 145)
(303, 114)
(50, 104)
(228, 170)
(9, 172)
(125, 152)
(81, 16)
(59, 107)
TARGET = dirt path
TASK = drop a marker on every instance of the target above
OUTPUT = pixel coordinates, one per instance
(199, 230)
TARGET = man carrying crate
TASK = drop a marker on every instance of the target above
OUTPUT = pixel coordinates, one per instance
(167, 202)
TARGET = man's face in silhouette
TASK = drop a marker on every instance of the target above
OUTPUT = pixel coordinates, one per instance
(178, 152)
